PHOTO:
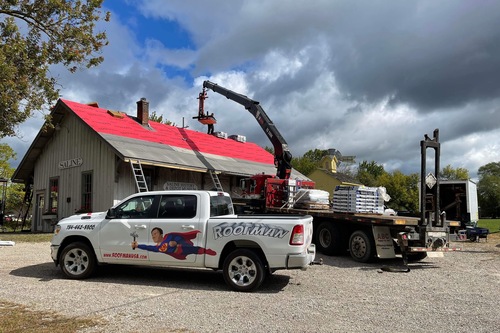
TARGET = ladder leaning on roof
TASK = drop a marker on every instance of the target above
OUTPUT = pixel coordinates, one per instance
(140, 180)
(215, 180)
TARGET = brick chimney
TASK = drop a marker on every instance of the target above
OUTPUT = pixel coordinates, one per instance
(143, 111)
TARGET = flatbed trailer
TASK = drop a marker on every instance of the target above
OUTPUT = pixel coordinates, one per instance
(366, 236)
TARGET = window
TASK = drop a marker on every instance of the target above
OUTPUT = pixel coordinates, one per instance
(86, 192)
(53, 194)
(177, 206)
(136, 208)
(220, 205)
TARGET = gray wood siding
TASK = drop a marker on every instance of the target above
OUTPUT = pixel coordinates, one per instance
(112, 178)
(74, 140)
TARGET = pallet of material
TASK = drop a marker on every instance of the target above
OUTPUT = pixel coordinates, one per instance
(359, 199)
(311, 205)
(311, 199)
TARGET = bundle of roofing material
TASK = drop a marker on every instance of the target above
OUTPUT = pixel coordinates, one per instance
(221, 135)
(239, 138)
(311, 199)
(359, 199)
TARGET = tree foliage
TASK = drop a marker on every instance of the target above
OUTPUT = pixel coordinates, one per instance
(15, 192)
(488, 189)
(35, 35)
(159, 119)
(402, 188)
(450, 173)
(309, 161)
(6, 154)
(369, 172)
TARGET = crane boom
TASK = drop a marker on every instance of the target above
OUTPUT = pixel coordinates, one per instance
(282, 155)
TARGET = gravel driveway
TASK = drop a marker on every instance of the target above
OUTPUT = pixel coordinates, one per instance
(457, 293)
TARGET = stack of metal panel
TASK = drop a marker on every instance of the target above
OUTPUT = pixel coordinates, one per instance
(359, 199)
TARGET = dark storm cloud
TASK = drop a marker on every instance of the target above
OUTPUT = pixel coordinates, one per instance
(429, 54)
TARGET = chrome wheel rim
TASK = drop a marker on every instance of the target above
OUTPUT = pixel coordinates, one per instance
(76, 261)
(242, 271)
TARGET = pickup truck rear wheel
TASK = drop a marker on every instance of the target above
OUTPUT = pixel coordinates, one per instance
(243, 270)
(77, 261)
(361, 246)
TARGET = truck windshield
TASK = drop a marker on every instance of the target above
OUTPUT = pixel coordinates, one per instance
(221, 205)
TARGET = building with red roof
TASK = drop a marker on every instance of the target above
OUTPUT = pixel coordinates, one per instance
(92, 157)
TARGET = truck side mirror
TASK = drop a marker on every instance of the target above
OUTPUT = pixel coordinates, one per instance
(111, 214)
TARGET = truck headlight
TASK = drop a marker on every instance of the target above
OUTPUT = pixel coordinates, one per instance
(57, 229)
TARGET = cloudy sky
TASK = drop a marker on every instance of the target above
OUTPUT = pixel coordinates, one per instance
(368, 78)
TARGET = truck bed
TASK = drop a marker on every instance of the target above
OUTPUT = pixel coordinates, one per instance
(352, 217)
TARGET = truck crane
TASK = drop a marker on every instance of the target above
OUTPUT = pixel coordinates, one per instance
(282, 155)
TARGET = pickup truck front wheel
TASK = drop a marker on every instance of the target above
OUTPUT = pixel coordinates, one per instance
(243, 270)
(77, 261)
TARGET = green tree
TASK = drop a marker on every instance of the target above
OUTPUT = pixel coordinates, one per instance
(309, 161)
(15, 192)
(303, 165)
(35, 35)
(159, 119)
(488, 189)
(315, 155)
(402, 188)
(369, 172)
(270, 150)
(450, 173)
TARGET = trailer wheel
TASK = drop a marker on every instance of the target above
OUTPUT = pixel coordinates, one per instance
(243, 270)
(328, 239)
(361, 246)
(77, 261)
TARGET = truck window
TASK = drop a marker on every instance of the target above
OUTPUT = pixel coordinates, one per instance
(221, 205)
(135, 208)
(177, 206)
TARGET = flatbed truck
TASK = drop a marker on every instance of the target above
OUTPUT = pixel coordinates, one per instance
(364, 236)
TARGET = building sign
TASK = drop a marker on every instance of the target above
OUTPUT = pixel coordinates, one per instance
(75, 162)
(179, 186)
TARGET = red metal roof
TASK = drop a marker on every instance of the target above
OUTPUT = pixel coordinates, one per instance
(103, 122)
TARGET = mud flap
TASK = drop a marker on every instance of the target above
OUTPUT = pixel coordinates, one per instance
(383, 242)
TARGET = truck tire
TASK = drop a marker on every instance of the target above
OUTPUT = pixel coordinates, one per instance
(243, 270)
(361, 246)
(77, 261)
(416, 256)
(328, 239)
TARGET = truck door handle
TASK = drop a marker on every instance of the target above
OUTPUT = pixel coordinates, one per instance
(142, 226)
(188, 226)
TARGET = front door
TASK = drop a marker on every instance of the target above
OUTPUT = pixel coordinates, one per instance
(119, 235)
(40, 203)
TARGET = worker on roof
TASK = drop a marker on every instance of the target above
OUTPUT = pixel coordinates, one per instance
(211, 126)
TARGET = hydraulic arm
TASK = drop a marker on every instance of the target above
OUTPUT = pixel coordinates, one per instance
(282, 155)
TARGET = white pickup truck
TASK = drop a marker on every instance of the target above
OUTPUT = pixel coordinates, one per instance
(184, 229)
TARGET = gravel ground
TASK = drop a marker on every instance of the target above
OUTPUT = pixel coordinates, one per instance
(456, 293)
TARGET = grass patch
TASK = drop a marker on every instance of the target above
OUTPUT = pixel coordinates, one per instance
(16, 318)
(25, 237)
(492, 224)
